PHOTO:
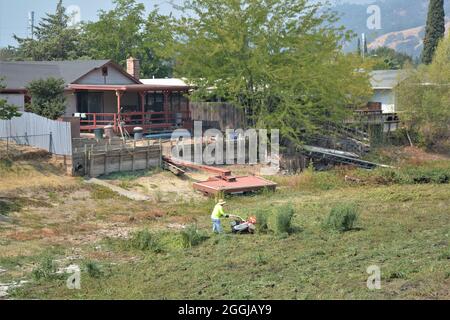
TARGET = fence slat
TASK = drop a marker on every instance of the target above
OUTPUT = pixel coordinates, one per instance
(39, 132)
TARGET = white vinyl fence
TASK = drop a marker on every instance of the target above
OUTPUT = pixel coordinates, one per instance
(39, 132)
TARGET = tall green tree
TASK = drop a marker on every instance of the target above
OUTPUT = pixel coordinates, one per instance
(388, 59)
(424, 99)
(434, 31)
(358, 47)
(117, 33)
(53, 39)
(124, 31)
(47, 98)
(7, 111)
(8, 53)
(279, 60)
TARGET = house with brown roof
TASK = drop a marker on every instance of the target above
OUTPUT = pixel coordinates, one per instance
(101, 93)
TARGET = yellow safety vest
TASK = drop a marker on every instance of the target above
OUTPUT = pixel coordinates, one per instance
(217, 212)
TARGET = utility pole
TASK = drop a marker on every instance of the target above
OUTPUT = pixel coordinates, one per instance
(31, 23)
(364, 45)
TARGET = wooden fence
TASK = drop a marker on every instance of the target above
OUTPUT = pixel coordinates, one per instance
(96, 159)
(218, 115)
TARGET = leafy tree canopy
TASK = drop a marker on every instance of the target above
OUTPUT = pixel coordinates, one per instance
(388, 59)
(424, 99)
(47, 98)
(280, 60)
(123, 32)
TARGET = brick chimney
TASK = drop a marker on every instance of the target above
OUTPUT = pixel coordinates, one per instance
(134, 67)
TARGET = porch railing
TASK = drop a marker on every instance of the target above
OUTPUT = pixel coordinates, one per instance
(130, 120)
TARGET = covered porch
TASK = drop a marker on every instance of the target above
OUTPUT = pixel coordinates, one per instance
(152, 107)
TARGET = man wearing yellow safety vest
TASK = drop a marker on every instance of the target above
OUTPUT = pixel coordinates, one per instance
(216, 215)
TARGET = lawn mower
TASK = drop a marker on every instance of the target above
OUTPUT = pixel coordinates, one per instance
(240, 225)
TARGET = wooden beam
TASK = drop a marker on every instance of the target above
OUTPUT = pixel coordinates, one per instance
(166, 104)
(142, 96)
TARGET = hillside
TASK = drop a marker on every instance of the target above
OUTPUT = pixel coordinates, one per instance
(408, 41)
(397, 16)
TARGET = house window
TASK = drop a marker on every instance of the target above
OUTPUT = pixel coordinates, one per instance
(90, 102)
(154, 102)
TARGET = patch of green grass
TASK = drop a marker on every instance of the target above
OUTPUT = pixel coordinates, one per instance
(405, 234)
(131, 175)
(144, 240)
(46, 269)
(7, 206)
(192, 237)
(93, 269)
(261, 219)
(6, 164)
(102, 193)
(342, 217)
(280, 219)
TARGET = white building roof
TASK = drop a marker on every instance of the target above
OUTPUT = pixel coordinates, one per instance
(172, 82)
(386, 79)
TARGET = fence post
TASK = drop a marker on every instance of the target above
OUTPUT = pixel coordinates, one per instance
(51, 143)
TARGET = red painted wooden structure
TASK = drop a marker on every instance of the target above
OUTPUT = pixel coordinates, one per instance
(164, 120)
(224, 181)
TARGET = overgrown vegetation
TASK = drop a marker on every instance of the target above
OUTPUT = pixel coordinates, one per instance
(46, 269)
(279, 221)
(9, 205)
(93, 269)
(192, 237)
(342, 217)
(144, 240)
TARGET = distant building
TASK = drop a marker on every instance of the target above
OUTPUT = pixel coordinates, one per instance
(383, 84)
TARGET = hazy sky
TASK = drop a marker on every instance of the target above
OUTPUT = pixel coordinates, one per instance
(14, 13)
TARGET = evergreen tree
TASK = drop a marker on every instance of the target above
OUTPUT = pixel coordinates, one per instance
(53, 39)
(366, 49)
(47, 97)
(435, 29)
(358, 49)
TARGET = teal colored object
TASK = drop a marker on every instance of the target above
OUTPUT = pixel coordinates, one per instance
(99, 133)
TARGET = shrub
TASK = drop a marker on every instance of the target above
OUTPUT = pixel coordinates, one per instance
(47, 97)
(45, 270)
(93, 269)
(261, 220)
(279, 221)
(145, 241)
(191, 237)
(342, 217)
